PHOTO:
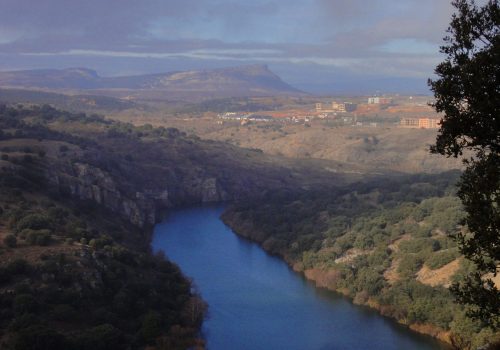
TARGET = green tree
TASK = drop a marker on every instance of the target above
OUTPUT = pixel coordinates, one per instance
(102, 337)
(34, 222)
(151, 326)
(40, 338)
(468, 93)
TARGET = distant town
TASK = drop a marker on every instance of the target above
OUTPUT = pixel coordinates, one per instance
(371, 112)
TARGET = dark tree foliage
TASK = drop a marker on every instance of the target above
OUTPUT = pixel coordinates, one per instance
(468, 93)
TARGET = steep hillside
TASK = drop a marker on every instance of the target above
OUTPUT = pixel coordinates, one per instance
(78, 198)
(79, 195)
(383, 243)
(75, 269)
(140, 171)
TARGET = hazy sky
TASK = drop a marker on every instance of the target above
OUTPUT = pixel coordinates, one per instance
(316, 45)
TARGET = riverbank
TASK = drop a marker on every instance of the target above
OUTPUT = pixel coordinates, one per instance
(322, 277)
(83, 192)
(328, 278)
(257, 302)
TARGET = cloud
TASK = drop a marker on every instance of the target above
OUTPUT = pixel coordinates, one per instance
(396, 38)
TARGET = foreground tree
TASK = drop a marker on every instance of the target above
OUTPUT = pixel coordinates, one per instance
(467, 92)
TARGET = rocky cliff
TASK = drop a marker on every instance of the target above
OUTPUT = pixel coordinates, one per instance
(140, 172)
(87, 182)
(75, 220)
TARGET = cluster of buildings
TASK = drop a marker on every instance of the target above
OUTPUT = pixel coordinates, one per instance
(281, 117)
(245, 117)
(346, 107)
(345, 113)
(335, 107)
(379, 101)
(421, 122)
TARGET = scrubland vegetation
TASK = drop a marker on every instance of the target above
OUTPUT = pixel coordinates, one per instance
(373, 241)
(73, 275)
(78, 197)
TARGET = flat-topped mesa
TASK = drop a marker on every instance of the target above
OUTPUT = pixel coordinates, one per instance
(85, 72)
(249, 80)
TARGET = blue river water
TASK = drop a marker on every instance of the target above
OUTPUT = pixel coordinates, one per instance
(257, 302)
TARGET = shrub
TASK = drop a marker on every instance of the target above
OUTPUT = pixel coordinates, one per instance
(40, 338)
(63, 312)
(23, 321)
(101, 242)
(410, 265)
(440, 259)
(423, 231)
(103, 337)
(17, 267)
(10, 241)
(419, 245)
(24, 303)
(34, 222)
(57, 214)
(41, 237)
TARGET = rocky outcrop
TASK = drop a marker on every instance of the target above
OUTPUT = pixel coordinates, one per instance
(86, 182)
(209, 191)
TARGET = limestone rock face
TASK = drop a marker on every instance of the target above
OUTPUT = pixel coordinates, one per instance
(210, 191)
(89, 175)
(87, 182)
(142, 207)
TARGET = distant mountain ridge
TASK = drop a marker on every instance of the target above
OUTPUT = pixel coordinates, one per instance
(251, 80)
(72, 103)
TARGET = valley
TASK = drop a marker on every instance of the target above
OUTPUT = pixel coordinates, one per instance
(352, 200)
(249, 175)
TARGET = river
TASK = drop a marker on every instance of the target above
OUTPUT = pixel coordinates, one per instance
(257, 302)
